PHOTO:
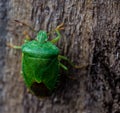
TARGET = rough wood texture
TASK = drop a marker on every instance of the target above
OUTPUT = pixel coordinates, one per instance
(91, 36)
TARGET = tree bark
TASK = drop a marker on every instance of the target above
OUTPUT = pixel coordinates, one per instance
(91, 37)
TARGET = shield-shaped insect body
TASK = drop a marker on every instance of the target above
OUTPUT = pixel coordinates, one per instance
(40, 65)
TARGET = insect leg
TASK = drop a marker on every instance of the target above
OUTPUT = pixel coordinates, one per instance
(65, 58)
(63, 66)
(27, 37)
(21, 72)
(57, 38)
(57, 29)
(20, 79)
(71, 63)
(14, 46)
(62, 57)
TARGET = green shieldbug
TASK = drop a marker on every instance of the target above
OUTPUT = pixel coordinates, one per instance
(41, 63)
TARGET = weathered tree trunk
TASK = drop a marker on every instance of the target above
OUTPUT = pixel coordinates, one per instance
(91, 37)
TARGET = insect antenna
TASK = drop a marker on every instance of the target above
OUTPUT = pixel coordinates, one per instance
(24, 24)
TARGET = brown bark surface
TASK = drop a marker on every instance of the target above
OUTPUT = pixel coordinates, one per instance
(91, 37)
